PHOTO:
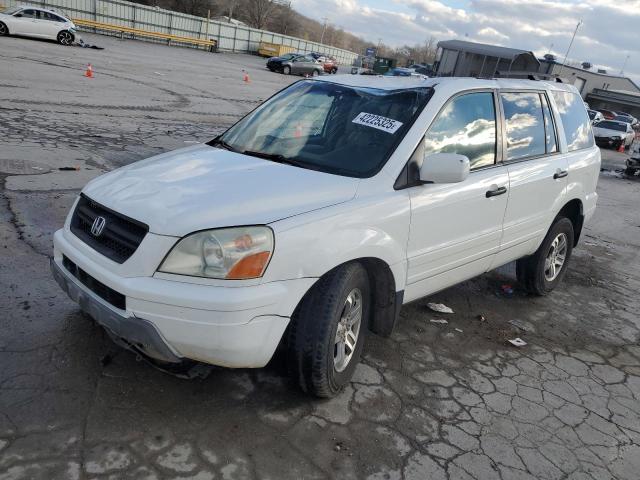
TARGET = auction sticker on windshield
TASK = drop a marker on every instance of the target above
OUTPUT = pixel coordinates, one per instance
(385, 124)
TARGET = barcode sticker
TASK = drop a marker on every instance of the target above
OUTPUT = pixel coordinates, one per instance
(385, 124)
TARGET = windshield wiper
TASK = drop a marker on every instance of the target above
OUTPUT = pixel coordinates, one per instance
(221, 143)
(276, 157)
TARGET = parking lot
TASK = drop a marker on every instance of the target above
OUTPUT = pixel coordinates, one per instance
(434, 401)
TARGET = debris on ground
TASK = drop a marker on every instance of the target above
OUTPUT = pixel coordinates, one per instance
(69, 169)
(507, 289)
(439, 307)
(458, 330)
(517, 342)
(481, 318)
(438, 320)
(83, 44)
(521, 325)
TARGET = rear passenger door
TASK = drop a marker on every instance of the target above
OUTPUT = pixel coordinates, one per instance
(537, 172)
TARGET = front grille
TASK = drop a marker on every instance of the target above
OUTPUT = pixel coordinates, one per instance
(109, 295)
(120, 237)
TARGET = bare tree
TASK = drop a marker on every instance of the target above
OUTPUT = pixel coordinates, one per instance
(258, 12)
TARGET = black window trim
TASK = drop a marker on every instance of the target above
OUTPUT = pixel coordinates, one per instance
(505, 161)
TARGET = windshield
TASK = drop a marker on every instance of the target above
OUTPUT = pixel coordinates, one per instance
(324, 126)
(612, 126)
(11, 11)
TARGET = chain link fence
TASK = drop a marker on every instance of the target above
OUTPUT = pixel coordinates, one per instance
(229, 37)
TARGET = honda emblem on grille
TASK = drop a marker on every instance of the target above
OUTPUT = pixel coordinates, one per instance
(98, 226)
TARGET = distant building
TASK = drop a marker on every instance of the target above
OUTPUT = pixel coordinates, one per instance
(459, 58)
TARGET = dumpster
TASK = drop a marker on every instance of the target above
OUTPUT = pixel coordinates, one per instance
(273, 50)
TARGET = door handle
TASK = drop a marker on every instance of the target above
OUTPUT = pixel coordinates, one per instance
(496, 191)
(560, 174)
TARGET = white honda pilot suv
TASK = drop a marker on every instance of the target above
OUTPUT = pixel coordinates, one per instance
(313, 219)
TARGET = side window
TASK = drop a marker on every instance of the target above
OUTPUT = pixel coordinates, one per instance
(577, 127)
(524, 125)
(466, 126)
(549, 126)
(51, 17)
(29, 13)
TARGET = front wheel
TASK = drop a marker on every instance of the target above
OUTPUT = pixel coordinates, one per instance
(540, 273)
(3, 30)
(334, 70)
(286, 70)
(328, 330)
(65, 37)
(315, 73)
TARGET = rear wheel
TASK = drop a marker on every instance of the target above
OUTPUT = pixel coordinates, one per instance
(542, 272)
(3, 29)
(630, 171)
(315, 73)
(334, 70)
(328, 330)
(286, 69)
(65, 37)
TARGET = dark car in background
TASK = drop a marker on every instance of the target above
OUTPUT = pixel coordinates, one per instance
(296, 64)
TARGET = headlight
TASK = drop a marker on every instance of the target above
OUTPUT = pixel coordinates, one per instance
(227, 253)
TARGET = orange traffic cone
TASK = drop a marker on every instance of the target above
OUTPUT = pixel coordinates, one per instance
(245, 77)
(621, 148)
(89, 72)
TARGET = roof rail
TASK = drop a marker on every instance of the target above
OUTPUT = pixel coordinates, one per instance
(530, 75)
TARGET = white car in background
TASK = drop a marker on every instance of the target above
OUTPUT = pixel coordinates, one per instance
(613, 133)
(595, 116)
(37, 22)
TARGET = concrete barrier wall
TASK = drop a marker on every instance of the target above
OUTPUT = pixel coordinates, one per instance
(231, 38)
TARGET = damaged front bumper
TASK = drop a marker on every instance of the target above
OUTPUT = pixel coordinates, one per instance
(136, 334)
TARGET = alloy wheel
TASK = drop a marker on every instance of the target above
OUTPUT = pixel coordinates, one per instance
(348, 330)
(555, 257)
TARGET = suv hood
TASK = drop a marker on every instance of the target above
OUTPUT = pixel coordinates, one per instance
(201, 187)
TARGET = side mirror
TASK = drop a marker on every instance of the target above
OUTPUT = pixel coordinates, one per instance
(444, 168)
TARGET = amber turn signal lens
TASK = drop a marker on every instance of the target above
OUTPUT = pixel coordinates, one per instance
(251, 266)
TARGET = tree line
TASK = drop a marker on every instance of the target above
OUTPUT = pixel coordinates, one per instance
(278, 16)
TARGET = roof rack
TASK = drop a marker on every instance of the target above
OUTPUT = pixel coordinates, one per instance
(530, 75)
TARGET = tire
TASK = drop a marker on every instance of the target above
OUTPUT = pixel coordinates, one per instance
(334, 70)
(4, 30)
(286, 69)
(314, 341)
(534, 273)
(65, 37)
(630, 171)
(315, 73)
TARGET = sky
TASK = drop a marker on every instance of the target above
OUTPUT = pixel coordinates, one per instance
(608, 34)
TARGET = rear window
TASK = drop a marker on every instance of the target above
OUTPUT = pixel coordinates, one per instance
(612, 126)
(576, 123)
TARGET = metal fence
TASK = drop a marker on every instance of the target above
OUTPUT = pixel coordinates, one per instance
(230, 37)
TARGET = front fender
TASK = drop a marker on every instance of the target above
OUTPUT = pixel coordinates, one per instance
(311, 244)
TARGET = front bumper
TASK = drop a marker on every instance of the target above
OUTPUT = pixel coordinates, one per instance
(608, 142)
(235, 326)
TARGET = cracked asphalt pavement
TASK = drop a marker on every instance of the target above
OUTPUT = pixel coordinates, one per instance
(435, 401)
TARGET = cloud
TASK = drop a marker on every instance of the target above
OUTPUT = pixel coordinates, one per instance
(608, 33)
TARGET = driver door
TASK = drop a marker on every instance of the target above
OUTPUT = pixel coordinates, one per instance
(456, 228)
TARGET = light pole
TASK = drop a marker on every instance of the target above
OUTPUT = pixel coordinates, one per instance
(324, 29)
(569, 49)
(624, 65)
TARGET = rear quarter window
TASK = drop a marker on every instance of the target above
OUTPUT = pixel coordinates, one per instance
(576, 123)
